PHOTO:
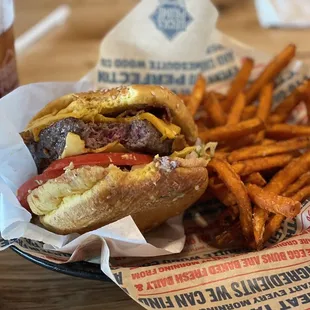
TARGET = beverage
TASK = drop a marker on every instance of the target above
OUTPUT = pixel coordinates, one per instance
(8, 71)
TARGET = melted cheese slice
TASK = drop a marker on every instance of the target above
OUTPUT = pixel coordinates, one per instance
(169, 131)
(76, 146)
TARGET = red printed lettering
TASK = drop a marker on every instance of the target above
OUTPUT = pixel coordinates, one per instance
(273, 257)
(250, 261)
(159, 283)
(191, 275)
(304, 241)
(143, 274)
(176, 266)
(139, 287)
(296, 254)
(224, 267)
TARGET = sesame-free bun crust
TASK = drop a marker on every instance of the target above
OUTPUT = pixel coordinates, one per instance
(89, 105)
(90, 197)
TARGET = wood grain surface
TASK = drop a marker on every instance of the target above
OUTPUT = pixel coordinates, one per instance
(66, 54)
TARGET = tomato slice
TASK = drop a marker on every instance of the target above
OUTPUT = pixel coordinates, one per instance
(101, 159)
(57, 168)
(34, 182)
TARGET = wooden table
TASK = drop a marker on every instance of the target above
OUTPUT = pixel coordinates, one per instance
(67, 54)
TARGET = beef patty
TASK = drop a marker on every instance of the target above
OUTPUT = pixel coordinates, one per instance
(137, 136)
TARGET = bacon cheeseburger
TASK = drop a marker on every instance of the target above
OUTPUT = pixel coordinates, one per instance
(107, 154)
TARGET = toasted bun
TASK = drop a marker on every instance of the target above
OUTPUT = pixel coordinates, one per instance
(87, 198)
(88, 105)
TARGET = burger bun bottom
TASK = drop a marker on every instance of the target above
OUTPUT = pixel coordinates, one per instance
(90, 197)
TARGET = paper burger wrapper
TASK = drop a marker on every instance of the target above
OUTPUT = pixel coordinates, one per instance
(159, 42)
(167, 43)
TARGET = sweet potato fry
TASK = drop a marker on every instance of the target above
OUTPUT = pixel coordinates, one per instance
(267, 142)
(197, 95)
(249, 166)
(248, 112)
(281, 180)
(235, 113)
(286, 131)
(224, 219)
(255, 178)
(275, 66)
(275, 119)
(302, 181)
(285, 108)
(307, 104)
(237, 188)
(272, 226)
(271, 149)
(221, 192)
(185, 98)
(265, 102)
(260, 217)
(273, 203)
(230, 132)
(276, 220)
(221, 155)
(254, 143)
(230, 238)
(219, 96)
(236, 144)
(278, 184)
(238, 83)
(302, 194)
(214, 110)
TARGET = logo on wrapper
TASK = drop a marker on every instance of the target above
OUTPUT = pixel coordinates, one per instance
(171, 17)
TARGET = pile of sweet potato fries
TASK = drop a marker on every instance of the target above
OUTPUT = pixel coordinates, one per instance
(261, 169)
